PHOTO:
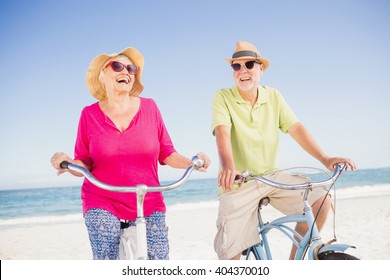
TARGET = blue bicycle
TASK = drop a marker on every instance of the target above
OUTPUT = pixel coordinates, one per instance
(310, 245)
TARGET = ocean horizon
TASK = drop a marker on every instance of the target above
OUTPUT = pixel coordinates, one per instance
(52, 204)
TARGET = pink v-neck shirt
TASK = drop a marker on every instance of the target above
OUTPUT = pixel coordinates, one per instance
(123, 158)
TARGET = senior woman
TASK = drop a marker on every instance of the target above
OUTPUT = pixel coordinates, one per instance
(120, 140)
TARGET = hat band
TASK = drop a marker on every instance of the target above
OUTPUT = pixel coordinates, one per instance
(245, 53)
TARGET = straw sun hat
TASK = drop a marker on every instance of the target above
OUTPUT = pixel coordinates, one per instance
(247, 51)
(95, 86)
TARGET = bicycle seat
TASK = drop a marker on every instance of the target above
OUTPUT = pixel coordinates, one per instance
(264, 201)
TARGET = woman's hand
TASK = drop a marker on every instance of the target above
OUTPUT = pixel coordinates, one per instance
(206, 160)
(56, 160)
(59, 157)
(177, 160)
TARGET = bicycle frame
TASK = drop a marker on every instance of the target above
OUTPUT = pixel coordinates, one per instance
(140, 190)
(311, 237)
(309, 243)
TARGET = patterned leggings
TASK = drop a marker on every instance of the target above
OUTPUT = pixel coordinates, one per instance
(104, 233)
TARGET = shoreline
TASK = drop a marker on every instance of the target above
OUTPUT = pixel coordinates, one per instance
(355, 192)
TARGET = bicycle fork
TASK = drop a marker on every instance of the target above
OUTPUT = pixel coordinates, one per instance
(312, 237)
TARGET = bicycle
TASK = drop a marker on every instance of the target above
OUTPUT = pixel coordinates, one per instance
(140, 190)
(310, 243)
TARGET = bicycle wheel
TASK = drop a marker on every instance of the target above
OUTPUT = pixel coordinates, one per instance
(332, 255)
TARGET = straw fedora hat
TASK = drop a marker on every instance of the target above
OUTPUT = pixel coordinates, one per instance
(95, 86)
(247, 51)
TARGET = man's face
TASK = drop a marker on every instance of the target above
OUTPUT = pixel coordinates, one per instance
(248, 75)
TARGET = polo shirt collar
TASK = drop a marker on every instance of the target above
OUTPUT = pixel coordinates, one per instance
(263, 96)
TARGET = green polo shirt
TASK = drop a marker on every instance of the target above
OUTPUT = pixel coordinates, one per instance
(254, 131)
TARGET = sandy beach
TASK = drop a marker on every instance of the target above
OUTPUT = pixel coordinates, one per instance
(363, 222)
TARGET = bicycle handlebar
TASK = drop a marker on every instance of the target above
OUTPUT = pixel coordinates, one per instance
(197, 163)
(247, 176)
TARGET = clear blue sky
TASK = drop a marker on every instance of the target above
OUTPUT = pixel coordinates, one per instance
(330, 59)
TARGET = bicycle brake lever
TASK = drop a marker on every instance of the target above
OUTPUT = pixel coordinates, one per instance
(197, 162)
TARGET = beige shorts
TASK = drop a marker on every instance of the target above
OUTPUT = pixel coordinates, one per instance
(237, 221)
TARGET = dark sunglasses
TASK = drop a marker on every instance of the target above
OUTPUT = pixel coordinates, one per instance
(248, 65)
(118, 67)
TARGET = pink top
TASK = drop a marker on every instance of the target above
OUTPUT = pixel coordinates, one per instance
(123, 158)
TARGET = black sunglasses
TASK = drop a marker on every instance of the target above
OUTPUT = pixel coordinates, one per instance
(248, 65)
(118, 67)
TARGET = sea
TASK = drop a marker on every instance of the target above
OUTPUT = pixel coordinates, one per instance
(20, 207)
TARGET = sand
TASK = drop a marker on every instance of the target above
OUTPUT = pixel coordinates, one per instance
(363, 222)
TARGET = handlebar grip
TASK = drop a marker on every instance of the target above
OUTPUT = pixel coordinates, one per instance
(342, 166)
(238, 179)
(197, 162)
(64, 164)
(243, 177)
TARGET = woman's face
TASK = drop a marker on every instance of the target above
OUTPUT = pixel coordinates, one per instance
(118, 82)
